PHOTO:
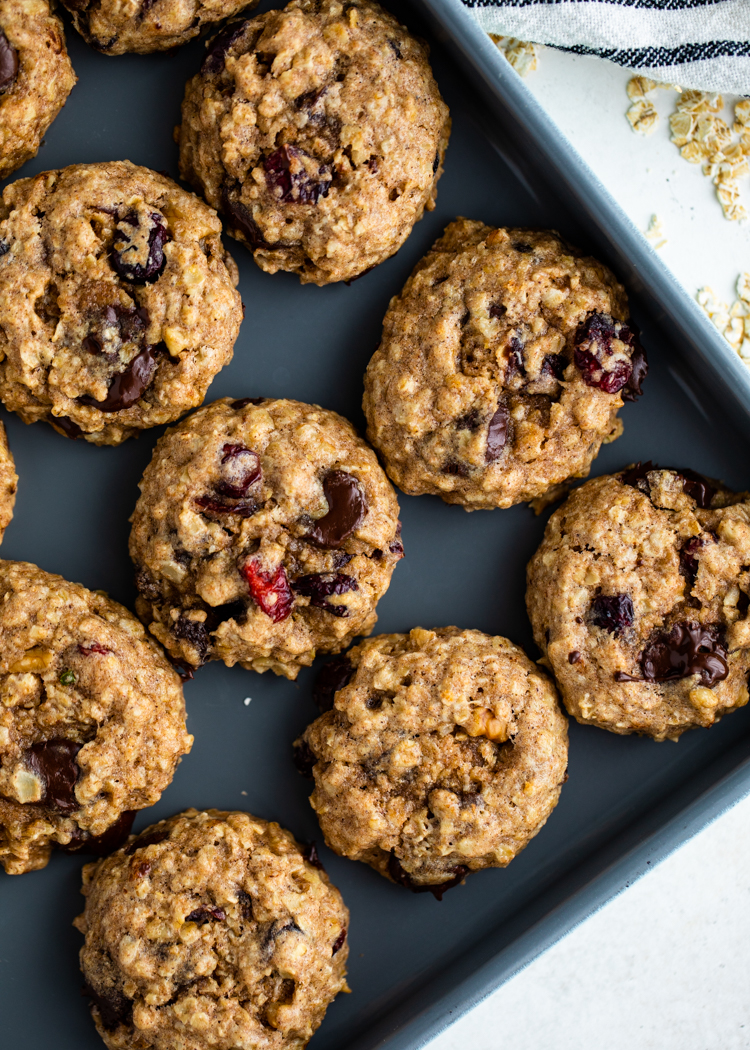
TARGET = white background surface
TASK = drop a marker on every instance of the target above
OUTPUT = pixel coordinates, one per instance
(667, 964)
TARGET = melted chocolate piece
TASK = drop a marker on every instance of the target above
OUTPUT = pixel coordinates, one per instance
(129, 386)
(92, 344)
(574, 657)
(303, 758)
(54, 762)
(332, 676)
(497, 433)
(101, 845)
(318, 586)
(338, 944)
(402, 877)
(632, 388)
(8, 63)
(69, 428)
(636, 476)
(236, 610)
(220, 45)
(206, 914)
(151, 270)
(310, 853)
(114, 1008)
(240, 218)
(194, 633)
(697, 487)
(347, 507)
(142, 841)
(688, 649)
(240, 468)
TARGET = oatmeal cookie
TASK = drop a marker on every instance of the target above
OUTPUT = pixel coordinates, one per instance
(92, 718)
(117, 300)
(502, 366)
(143, 26)
(265, 532)
(36, 78)
(438, 753)
(319, 132)
(638, 596)
(211, 929)
(8, 483)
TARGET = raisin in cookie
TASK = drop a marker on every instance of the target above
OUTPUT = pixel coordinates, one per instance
(8, 483)
(117, 300)
(638, 597)
(211, 929)
(143, 26)
(443, 752)
(265, 532)
(36, 78)
(502, 366)
(319, 132)
(92, 718)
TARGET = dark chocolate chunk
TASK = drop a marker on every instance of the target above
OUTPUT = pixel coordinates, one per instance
(54, 762)
(129, 386)
(92, 344)
(295, 186)
(109, 840)
(303, 758)
(332, 676)
(8, 63)
(317, 586)
(395, 48)
(239, 217)
(522, 247)
(4, 248)
(612, 612)
(632, 388)
(206, 914)
(554, 365)
(689, 557)
(347, 507)
(151, 839)
(697, 487)
(459, 470)
(497, 433)
(338, 944)
(470, 420)
(193, 632)
(497, 310)
(122, 259)
(637, 476)
(245, 902)
(220, 45)
(402, 877)
(236, 610)
(688, 649)
(69, 428)
(574, 657)
(310, 853)
(114, 1009)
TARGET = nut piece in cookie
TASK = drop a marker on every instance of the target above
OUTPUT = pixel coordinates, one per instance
(318, 131)
(92, 719)
(437, 753)
(265, 532)
(501, 369)
(638, 596)
(256, 937)
(143, 26)
(36, 78)
(118, 303)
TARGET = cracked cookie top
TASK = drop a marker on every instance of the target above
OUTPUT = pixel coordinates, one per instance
(92, 718)
(211, 929)
(319, 132)
(265, 532)
(501, 369)
(638, 596)
(438, 753)
(118, 303)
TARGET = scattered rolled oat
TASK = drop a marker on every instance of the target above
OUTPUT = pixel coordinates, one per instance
(643, 117)
(521, 54)
(732, 321)
(655, 232)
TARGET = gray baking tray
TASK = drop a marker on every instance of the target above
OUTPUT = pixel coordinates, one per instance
(415, 963)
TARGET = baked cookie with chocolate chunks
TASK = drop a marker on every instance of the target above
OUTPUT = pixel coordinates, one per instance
(36, 78)
(118, 303)
(438, 753)
(92, 718)
(265, 532)
(319, 132)
(143, 26)
(211, 930)
(8, 483)
(638, 596)
(502, 367)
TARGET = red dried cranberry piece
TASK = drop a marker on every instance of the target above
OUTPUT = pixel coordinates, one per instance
(114, 1009)
(497, 433)
(269, 590)
(240, 468)
(593, 349)
(689, 557)
(303, 758)
(93, 648)
(688, 649)
(122, 260)
(332, 676)
(54, 762)
(396, 548)
(101, 845)
(289, 180)
(310, 853)
(456, 469)
(245, 508)
(612, 612)
(554, 365)
(317, 586)
(206, 914)
(220, 45)
(347, 507)
(8, 63)
(129, 386)
(338, 944)
(402, 877)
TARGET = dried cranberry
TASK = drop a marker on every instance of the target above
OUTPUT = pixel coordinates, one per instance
(245, 902)
(688, 649)
(613, 612)
(497, 433)
(515, 359)
(122, 259)
(218, 47)
(194, 633)
(152, 838)
(304, 759)
(470, 420)
(93, 649)
(8, 63)
(289, 180)
(459, 470)
(240, 468)
(54, 762)
(332, 676)
(522, 247)
(338, 944)
(269, 590)
(317, 586)
(554, 365)
(689, 557)
(310, 853)
(244, 508)
(347, 507)
(114, 1009)
(402, 877)
(129, 386)
(497, 310)
(593, 347)
(206, 914)
(396, 548)
(101, 845)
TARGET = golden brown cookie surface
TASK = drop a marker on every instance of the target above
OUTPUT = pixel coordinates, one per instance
(319, 132)
(502, 367)
(443, 753)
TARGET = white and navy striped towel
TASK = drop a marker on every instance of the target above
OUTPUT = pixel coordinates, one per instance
(694, 43)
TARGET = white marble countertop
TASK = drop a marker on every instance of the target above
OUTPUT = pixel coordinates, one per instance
(667, 964)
